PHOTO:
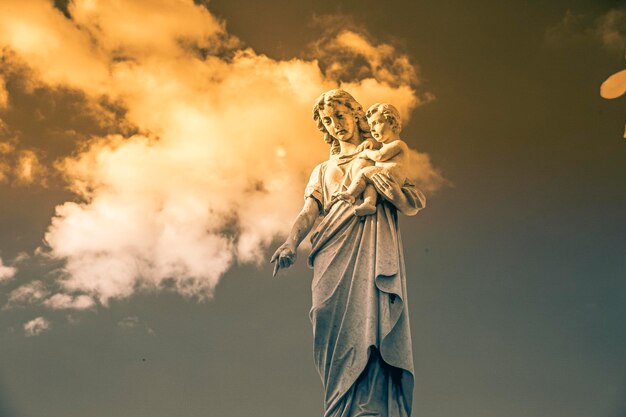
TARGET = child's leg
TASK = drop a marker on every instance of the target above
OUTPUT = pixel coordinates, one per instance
(358, 185)
(356, 188)
(368, 206)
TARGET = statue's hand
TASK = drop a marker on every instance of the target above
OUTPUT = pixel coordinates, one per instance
(368, 144)
(349, 155)
(387, 186)
(284, 257)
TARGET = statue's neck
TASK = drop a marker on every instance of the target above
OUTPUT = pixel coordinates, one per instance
(348, 147)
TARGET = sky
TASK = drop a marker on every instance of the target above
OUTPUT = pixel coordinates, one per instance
(154, 153)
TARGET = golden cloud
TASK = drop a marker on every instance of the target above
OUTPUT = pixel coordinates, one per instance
(225, 140)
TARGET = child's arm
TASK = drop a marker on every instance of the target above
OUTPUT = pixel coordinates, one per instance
(367, 144)
(385, 153)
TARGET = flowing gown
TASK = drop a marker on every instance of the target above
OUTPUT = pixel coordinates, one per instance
(362, 340)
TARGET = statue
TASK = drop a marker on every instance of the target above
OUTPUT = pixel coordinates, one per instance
(391, 159)
(359, 314)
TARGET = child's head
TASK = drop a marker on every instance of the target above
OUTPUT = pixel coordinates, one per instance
(384, 119)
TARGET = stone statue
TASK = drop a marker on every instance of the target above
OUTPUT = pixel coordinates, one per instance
(391, 159)
(362, 341)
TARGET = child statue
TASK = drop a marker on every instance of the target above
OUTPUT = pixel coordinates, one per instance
(391, 159)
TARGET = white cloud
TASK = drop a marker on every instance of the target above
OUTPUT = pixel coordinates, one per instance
(226, 141)
(148, 28)
(422, 172)
(133, 322)
(348, 54)
(32, 293)
(67, 302)
(41, 36)
(6, 272)
(36, 326)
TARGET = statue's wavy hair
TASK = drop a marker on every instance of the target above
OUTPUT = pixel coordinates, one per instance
(342, 97)
(389, 112)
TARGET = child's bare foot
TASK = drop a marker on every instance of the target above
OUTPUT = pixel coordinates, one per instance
(364, 209)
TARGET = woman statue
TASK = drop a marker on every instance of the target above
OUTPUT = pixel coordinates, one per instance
(362, 340)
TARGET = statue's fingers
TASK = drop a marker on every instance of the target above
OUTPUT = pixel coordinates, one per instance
(384, 179)
(379, 182)
(382, 185)
(391, 181)
(276, 268)
(385, 184)
(376, 181)
(274, 256)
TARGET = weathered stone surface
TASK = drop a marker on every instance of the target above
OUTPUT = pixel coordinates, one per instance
(362, 341)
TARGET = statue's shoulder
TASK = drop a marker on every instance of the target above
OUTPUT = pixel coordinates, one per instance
(320, 168)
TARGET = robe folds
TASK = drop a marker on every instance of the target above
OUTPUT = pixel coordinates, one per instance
(359, 314)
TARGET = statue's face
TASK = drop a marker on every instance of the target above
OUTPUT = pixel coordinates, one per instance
(380, 127)
(339, 121)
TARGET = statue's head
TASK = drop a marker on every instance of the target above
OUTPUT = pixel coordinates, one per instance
(341, 118)
(384, 122)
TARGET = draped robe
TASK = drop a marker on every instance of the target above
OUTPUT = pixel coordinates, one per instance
(359, 314)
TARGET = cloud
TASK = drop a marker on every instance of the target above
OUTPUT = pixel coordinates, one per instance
(4, 94)
(32, 293)
(6, 148)
(6, 272)
(611, 29)
(65, 302)
(29, 169)
(41, 36)
(222, 145)
(36, 326)
(423, 174)
(571, 27)
(348, 53)
(608, 29)
(132, 323)
(39, 293)
(20, 167)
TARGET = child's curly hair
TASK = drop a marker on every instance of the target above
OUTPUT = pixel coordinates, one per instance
(389, 112)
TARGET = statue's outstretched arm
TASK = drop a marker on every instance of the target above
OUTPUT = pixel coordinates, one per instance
(285, 255)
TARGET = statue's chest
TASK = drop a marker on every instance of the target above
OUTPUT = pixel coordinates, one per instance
(335, 176)
(338, 177)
